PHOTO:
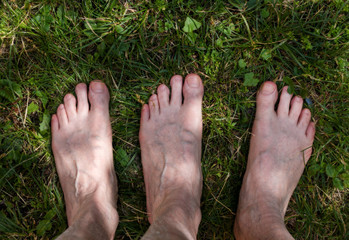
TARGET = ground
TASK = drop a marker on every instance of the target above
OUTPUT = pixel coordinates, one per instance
(47, 47)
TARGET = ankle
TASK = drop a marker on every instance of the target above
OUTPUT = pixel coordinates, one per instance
(267, 222)
(174, 224)
(94, 218)
(179, 217)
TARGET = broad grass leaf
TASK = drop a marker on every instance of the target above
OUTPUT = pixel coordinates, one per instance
(266, 54)
(242, 63)
(290, 84)
(250, 81)
(313, 169)
(122, 157)
(45, 123)
(265, 13)
(119, 29)
(345, 177)
(33, 107)
(43, 97)
(337, 183)
(10, 90)
(219, 42)
(191, 25)
(331, 171)
(43, 226)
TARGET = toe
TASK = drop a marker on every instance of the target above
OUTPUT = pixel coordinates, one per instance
(176, 90)
(163, 95)
(304, 118)
(62, 116)
(310, 131)
(98, 96)
(193, 89)
(284, 104)
(81, 93)
(70, 106)
(54, 124)
(154, 106)
(266, 99)
(296, 108)
(145, 114)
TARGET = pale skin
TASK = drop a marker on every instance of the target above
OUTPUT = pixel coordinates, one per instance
(170, 138)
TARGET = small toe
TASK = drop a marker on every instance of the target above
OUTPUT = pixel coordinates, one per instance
(304, 118)
(163, 96)
(145, 113)
(284, 104)
(154, 106)
(54, 124)
(81, 94)
(62, 116)
(296, 108)
(176, 90)
(70, 106)
(98, 96)
(310, 133)
(266, 99)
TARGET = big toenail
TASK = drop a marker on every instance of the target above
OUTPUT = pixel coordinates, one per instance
(268, 88)
(193, 81)
(97, 87)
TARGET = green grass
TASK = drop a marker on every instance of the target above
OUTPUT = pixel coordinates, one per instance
(47, 47)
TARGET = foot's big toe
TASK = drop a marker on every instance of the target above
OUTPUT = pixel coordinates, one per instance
(98, 96)
(266, 99)
(193, 89)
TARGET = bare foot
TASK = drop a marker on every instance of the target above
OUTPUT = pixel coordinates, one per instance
(170, 139)
(82, 147)
(280, 147)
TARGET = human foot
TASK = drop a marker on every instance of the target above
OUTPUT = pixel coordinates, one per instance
(280, 147)
(82, 147)
(170, 139)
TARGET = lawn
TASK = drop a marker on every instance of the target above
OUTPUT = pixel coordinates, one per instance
(47, 47)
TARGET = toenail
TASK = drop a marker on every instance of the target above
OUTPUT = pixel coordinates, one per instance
(68, 96)
(285, 89)
(97, 87)
(162, 87)
(81, 85)
(193, 81)
(268, 88)
(61, 106)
